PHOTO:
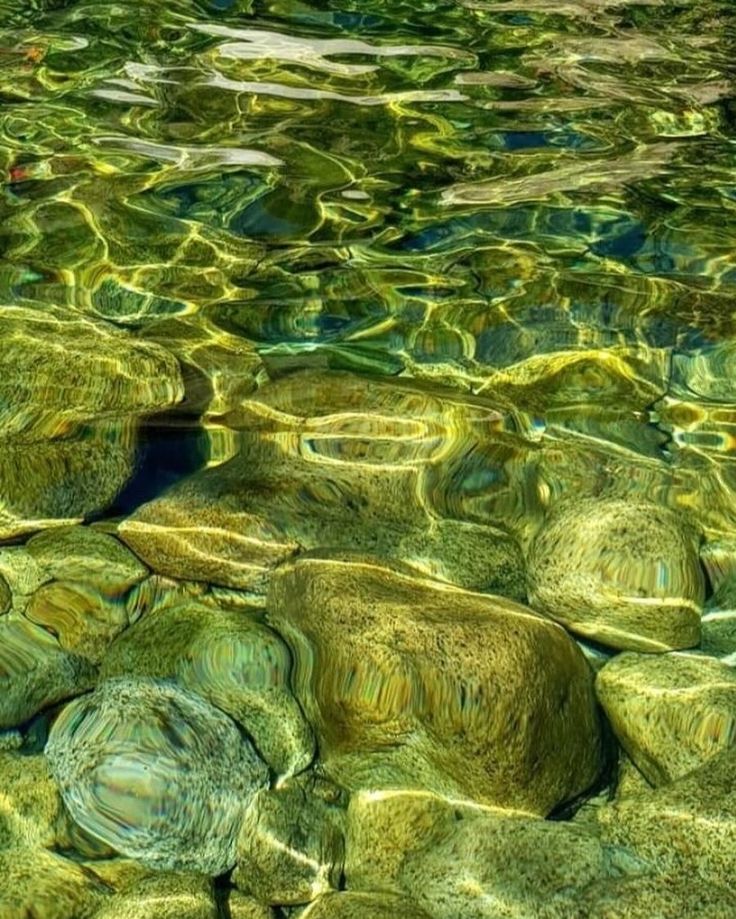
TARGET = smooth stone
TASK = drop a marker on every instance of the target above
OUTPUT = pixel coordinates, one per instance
(87, 555)
(35, 671)
(37, 883)
(670, 712)
(61, 482)
(156, 773)
(429, 686)
(158, 592)
(687, 827)
(507, 864)
(228, 658)
(163, 896)
(291, 845)
(707, 374)
(58, 368)
(83, 620)
(29, 802)
(357, 905)
(624, 573)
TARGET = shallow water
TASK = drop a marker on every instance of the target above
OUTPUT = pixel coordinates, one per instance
(326, 311)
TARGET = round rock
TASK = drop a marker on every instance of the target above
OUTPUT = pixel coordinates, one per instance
(624, 573)
(156, 773)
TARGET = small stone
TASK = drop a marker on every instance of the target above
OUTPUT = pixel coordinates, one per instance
(87, 555)
(6, 596)
(231, 660)
(156, 773)
(163, 896)
(623, 573)
(35, 671)
(429, 686)
(670, 712)
(686, 828)
(291, 845)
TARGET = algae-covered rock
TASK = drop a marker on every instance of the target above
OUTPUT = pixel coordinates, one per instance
(156, 773)
(414, 683)
(29, 802)
(358, 905)
(291, 844)
(37, 883)
(671, 712)
(87, 555)
(332, 460)
(21, 575)
(35, 671)
(163, 896)
(242, 906)
(456, 858)
(6, 596)
(687, 827)
(624, 573)
(62, 481)
(57, 367)
(84, 620)
(654, 897)
(232, 660)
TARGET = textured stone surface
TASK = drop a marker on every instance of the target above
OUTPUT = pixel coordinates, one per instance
(242, 906)
(655, 897)
(504, 864)
(357, 905)
(37, 883)
(687, 827)
(624, 573)
(163, 896)
(156, 773)
(232, 660)
(29, 801)
(22, 575)
(412, 683)
(291, 844)
(35, 671)
(87, 555)
(671, 712)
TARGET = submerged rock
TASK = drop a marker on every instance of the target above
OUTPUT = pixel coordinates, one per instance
(291, 845)
(86, 555)
(671, 712)
(686, 828)
(624, 573)
(357, 905)
(57, 368)
(40, 883)
(414, 683)
(231, 660)
(454, 858)
(29, 802)
(163, 896)
(35, 671)
(333, 460)
(654, 897)
(156, 773)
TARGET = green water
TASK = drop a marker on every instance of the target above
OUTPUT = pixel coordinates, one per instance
(311, 317)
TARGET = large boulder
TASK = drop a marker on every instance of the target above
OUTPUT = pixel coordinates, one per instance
(624, 573)
(671, 712)
(156, 773)
(414, 683)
